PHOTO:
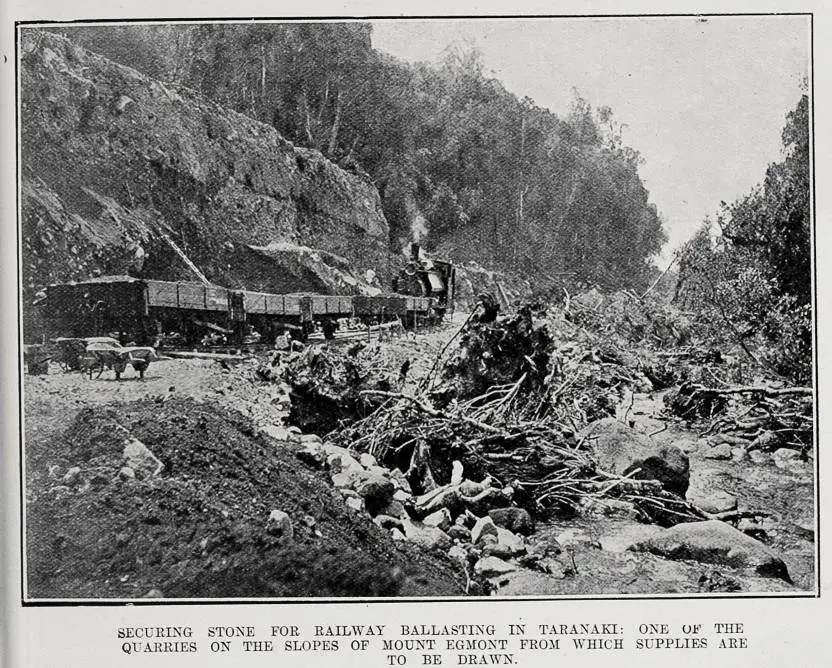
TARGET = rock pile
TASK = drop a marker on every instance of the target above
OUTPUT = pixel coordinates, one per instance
(472, 522)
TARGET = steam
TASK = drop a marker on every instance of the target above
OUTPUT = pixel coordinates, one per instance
(418, 227)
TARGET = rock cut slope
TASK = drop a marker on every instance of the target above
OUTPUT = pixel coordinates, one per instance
(111, 157)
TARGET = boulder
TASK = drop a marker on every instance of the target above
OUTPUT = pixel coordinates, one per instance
(428, 538)
(713, 502)
(126, 473)
(459, 554)
(394, 509)
(356, 503)
(388, 522)
(493, 566)
(351, 478)
(512, 542)
(397, 535)
(400, 481)
(401, 496)
(621, 450)
(139, 458)
(721, 451)
(484, 527)
(441, 519)
(280, 524)
(367, 460)
(517, 520)
(456, 473)
(715, 542)
(377, 492)
(785, 458)
(72, 475)
(759, 457)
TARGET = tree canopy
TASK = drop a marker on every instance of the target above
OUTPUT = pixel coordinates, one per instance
(752, 273)
(461, 164)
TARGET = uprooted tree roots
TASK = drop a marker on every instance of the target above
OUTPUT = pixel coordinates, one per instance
(508, 405)
(753, 416)
(508, 402)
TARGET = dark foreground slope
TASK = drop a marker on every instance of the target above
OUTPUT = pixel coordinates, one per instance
(201, 527)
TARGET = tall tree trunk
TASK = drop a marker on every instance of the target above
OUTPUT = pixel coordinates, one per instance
(307, 121)
(324, 104)
(263, 76)
(336, 125)
(521, 231)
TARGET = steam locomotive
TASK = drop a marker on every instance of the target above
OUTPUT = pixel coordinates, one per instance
(143, 310)
(423, 277)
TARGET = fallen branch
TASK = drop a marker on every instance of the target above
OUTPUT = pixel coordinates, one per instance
(757, 389)
(429, 410)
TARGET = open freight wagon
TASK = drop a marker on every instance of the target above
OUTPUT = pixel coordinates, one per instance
(142, 310)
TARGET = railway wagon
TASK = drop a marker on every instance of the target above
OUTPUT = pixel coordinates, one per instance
(142, 309)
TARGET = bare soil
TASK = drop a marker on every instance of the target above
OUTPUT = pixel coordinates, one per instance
(200, 528)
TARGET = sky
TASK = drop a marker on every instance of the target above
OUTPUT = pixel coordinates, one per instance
(703, 101)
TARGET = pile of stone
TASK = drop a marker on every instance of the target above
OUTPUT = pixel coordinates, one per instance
(473, 522)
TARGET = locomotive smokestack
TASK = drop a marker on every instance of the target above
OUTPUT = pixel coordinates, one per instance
(414, 252)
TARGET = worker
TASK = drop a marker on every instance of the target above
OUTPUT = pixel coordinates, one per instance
(329, 326)
(282, 340)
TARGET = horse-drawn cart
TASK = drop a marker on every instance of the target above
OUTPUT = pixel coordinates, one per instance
(103, 353)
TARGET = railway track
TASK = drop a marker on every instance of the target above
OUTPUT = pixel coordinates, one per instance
(373, 334)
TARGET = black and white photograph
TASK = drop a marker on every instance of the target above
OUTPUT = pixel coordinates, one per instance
(417, 308)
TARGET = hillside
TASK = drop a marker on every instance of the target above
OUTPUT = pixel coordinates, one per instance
(112, 158)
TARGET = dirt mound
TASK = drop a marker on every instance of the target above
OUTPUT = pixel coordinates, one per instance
(201, 527)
